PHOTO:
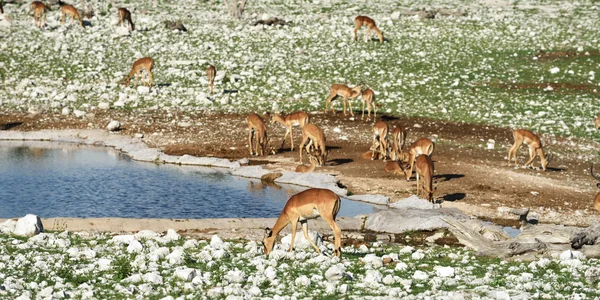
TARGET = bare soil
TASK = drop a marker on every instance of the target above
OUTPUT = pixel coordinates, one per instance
(469, 176)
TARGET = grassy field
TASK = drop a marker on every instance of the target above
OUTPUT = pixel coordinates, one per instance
(485, 67)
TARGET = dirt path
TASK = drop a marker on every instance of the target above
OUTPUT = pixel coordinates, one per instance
(468, 175)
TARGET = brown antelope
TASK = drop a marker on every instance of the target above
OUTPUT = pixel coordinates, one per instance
(125, 15)
(257, 131)
(316, 136)
(361, 21)
(39, 13)
(344, 91)
(380, 131)
(292, 120)
(394, 167)
(301, 207)
(308, 169)
(398, 141)
(145, 63)
(597, 199)
(67, 9)
(533, 143)
(425, 176)
(211, 71)
(597, 121)
(368, 98)
(420, 146)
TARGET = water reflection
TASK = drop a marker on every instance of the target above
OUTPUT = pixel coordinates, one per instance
(69, 180)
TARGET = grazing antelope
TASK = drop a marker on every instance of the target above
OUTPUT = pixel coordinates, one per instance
(597, 199)
(368, 98)
(398, 140)
(296, 119)
(344, 91)
(145, 63)
(305, 205)
(308, 169)
(67, 9)
(380, 131)
(370, 24)
(39, 13)
(420, 146)
(211, 71)
(316, 136)
(125, 15)
(257, 131)
(597, 121)
(535, 147)
(425, 176)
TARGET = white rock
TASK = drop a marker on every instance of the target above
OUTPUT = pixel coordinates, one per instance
(185, 274)
(334, 273)
(420, 275)
(395, 15)
(445, 271)
(554, 70)
(373, 276)
(373, 261)
(28, 225)
(300, 241)
(113, 125)
(190, 244)
(103, 264)
(143, 89)
(303, 280)
(146, 234)
(134, 278)
(104, 105)
(122, 31)
(66, 111)
(172, 235)
(176, 257)
(418, 255)
(8, 226)
(216, 242)
(122, 239)
(568, 255)
(153, 278)
(79, 113)
(134, 246)
(401, 266)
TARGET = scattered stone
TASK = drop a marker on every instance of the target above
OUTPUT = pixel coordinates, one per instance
(185, 274)
(134, 246)
(104, 105)
(79, 113)
(28, 225)
(66, 111)
(216, 242)
(113, 126)
(143, 89)
(445, 271)
(175, 25)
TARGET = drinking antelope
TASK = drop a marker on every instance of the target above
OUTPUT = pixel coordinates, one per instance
(368, 98)
(257, 131)
(533, 143)
(398, 140)
(307, 169)
(125, 15)
(39, 13)
(211, 71)
(316, 136)
(292, 120)
(301, 207)
(67, 9)
(370, 24)
(146, 64)
(597, 199)
(419, 147)
(425, 176)
(380, 131)
(344, 91)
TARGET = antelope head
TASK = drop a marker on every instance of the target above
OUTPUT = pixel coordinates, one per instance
(546, 161)
(268, 241)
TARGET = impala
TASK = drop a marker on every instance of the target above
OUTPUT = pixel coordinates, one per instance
(425, 176)
(316, 136)
(597, 121)
(308, 169)
(292, 120)
(125, 15)
(380, 131)
(142, 64)
(361, 21)
(597, 199)
(394, 167)
(344, 91)
(420, 146)
(211, 71)
(398, 141)
(257, 131)
(368, 98)
(305, 205)
(535, 148)
(39, 12)
(67, 9)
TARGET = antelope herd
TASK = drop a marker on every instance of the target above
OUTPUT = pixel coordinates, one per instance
(319, 202)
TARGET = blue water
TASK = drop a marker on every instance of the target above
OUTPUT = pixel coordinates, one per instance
(66, 180)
